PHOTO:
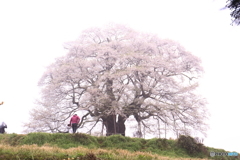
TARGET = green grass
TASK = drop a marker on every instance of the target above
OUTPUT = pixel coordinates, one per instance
(83, 146)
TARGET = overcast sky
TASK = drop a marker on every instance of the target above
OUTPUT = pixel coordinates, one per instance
(32, 34)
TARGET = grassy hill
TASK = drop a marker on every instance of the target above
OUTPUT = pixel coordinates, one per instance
(60, 146)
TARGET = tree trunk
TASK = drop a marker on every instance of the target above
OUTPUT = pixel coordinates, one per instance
(114, 125)
(121, 125)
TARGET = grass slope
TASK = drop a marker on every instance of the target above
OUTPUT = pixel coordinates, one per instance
(59, 146)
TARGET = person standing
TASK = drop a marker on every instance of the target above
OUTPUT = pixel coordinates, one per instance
(74, 122)
(2, 127)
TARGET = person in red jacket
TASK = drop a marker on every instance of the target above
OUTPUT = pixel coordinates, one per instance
(74, 122)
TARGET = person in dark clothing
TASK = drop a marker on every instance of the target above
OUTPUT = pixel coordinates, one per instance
(74, 122)
(2, 127)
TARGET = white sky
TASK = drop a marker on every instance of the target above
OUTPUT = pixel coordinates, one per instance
(32, 34)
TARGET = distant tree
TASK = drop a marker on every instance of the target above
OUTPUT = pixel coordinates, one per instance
(115, 72)
(45, 119)
(54, 119)
(234, 6)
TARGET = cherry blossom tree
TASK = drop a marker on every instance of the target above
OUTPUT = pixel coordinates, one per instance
(113, 73)
(234, 6)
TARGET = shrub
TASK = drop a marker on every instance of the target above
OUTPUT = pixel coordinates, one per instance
(190, 145)
(162, 144)
(158, 144)
(90, 156)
